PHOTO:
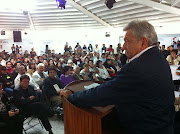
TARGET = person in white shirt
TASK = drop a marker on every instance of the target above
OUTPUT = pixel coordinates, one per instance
(39, 76)
(96, 49)
(103, 73)
(173, 59)
(2, 61)
(21, 71)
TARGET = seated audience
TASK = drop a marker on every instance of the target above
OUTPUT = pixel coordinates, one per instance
(76, 75)
(6, 80)
(51, 84)
(9, 115)
(27, 101)
(31, 68)
(103, 73)
(39, 76)
(15, 72)
(164, 51)
(66, 77)
(9, 68)
(173, 59)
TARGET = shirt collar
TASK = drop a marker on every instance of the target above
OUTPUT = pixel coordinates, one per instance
(139, 54)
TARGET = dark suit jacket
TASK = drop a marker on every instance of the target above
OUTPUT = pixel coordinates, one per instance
(142, 92)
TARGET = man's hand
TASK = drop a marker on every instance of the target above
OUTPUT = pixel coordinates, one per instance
(66, 93)
(16, 111)
(32, 97)
(11, 113)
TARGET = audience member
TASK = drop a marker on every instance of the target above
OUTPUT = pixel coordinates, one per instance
(59, 69)
(173, 59)
(66, 77)
(110, 50)
(51, 87)
(9, 115)
(9, 68)
(2, 61)
(31, 68)
(90, 48)
(103, 73)
(26, 99)
(96, 49)
(76, 72)
(6, 80)
(39, 76)
(103, 49)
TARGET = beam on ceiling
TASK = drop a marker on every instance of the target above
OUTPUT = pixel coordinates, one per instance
(30, 20)
(174, 2)
(158, 6)
(85, 11)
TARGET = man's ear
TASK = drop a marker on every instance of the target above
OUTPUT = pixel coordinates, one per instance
(145, 42)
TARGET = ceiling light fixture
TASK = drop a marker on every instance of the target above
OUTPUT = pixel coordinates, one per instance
(61, 3)
(109, 3)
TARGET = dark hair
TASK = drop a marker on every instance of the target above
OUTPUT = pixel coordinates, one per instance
(24, 77)
(163, 45)
(91, 60)
(65, 69)
(3, 68)
(103, 54)
(51, 69)
(97, 63)
(110, 45)
(174, 50)
(8, 62)
(108, 60)
(178, 45)
(31, 63)
(159, 42)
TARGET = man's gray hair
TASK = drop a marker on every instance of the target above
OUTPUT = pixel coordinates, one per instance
(39, 65)
(20, 67)
(142, 28)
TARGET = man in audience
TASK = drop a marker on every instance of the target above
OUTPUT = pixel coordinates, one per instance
(103, 49)
(9, 115)
(164, 51)
(6, 80)
(27, 101)
(110, 50)
(39, 76)
(142, 92)
(52, 86)
(103, 57)
(76, 75)
(15, 72)
(21, 71)
(96, 49)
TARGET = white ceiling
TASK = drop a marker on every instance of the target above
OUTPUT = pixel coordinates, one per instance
(90, 14)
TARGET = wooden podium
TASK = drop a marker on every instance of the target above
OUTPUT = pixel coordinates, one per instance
(96, 120)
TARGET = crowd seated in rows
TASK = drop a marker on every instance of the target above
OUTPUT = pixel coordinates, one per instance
(45, 75)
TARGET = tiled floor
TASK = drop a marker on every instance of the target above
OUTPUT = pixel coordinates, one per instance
(56, 123)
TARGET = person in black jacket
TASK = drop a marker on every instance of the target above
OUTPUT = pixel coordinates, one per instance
(9, 115)
(51, 86)
(142, 92)
(26, 99)
(6, 79)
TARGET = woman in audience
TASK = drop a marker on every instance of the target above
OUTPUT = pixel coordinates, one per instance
(173, 59)
(26, 62)
(32, 68)
(12, 60)
(9, 115)
(103, 73)
(76, 59)
(9, 68)
(92, 67)
(66, 77)
(26, 54)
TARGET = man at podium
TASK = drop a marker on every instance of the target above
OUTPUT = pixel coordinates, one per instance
(142, 92)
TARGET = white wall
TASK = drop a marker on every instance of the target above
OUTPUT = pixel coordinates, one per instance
(56, 39)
